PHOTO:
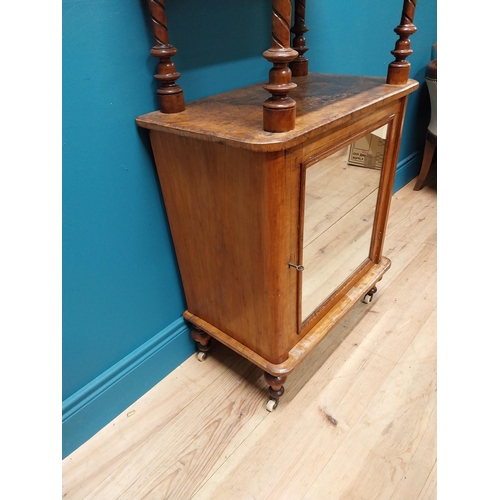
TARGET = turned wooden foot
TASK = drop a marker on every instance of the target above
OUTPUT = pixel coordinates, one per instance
(369, 295)
(276, 390)
(202, 340)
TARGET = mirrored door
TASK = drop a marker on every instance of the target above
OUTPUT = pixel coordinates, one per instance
(339, 208)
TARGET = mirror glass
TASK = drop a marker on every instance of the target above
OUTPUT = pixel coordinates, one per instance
(339, 208)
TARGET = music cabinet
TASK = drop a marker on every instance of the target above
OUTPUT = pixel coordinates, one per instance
(277, 235)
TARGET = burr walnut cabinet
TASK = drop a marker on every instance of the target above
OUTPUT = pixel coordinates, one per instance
(278, 233)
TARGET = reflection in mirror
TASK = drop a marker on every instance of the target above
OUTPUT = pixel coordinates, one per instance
(339, 208)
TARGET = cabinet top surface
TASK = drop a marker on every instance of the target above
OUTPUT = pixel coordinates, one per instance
(324, 101)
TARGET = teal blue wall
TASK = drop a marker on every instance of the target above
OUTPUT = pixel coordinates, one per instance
(356, 37)
(122, 296)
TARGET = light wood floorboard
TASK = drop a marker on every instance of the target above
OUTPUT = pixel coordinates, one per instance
(358, 420)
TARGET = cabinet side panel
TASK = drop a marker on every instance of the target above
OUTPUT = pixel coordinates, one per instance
(226, 209)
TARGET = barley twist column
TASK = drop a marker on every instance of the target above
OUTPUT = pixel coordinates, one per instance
(300, 65)
(170, 95)
(279, 109)
(399, 70)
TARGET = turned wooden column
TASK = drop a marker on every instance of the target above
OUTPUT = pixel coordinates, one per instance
(170, 95)
(399, 70)
(300, 65)
(279, 109)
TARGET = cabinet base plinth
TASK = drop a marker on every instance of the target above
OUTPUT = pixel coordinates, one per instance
(299, 352)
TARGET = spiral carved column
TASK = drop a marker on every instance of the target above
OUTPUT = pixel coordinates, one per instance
(300, 65)
(399, 70)
(279, 109)
(170, 95)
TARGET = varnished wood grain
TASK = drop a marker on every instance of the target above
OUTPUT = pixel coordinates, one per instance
(312, 337)
(235, 215)
(324, 102)
(358, 417)
(364, 397)
(388, 175)
(226, 210)
(317, 149)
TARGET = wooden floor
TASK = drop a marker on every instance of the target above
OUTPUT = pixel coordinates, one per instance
(357, 421)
